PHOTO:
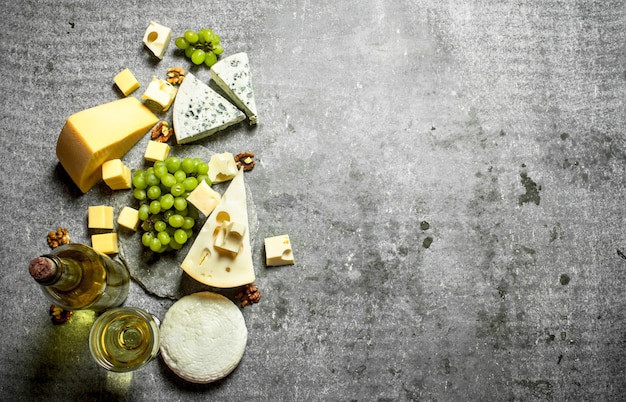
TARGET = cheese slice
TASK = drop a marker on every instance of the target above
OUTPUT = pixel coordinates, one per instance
(232, 74)
(101, 133)
(199, 111)
(223, 267)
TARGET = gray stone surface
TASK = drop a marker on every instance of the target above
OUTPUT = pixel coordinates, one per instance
(451, 175)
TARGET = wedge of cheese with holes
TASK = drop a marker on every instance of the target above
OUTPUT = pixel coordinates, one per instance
(232, 74)
(101, 133)
(199, 111)
(221, 256)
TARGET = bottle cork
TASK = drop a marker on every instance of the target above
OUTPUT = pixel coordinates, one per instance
(42, 269)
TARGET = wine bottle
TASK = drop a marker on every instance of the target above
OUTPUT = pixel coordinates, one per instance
(75, 277)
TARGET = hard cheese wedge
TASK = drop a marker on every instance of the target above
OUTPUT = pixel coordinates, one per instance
(209, 261)
(233, 76)
(199, 111)
(101, 133)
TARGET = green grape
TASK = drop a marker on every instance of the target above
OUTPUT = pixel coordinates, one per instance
(139, 181)
(154, 192)
(202, 168)
(183, 212)
(203, 177)
(176, 221)
(167, 202)
(189, 51)
(155, 244)
(210, 58)
(181, 43)
(197, 57)
(160, 226)
(155, 207)
(168, 180)
(146, 238)
(201, 35)
(207, 35)
(218, 49)
(139, 194)
(177, 190)
(191, 37)
(190, 183)
(172, 163)
(215, 40)
(138, 172)
(193, 212)
(152, 179)
(174, 245)
(189, 222)
(189, 233)
(180, 203)
(180, 176)
(188, 165)
(180, 236)
(160, 170)
(164, 237)
(144, 212)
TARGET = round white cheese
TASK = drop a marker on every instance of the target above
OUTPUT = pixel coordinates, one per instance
(203, 337)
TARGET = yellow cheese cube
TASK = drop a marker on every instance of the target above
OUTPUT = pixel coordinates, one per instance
(156, 151)
(116, 175)
(157, 38)
(128, 218)
(105, 243)
(93, 136)
(204, 198)
(278, 251)
(160, 92)
(100, 217)
(126, 81)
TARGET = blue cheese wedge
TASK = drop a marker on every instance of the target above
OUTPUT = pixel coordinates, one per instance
(199, 111)
(221, 256)
(232, 74)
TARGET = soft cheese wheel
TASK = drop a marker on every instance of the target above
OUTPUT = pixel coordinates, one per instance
(203, 337)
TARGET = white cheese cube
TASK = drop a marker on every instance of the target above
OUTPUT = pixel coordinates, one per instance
(278, 251)
(204, 198)
(157, 38)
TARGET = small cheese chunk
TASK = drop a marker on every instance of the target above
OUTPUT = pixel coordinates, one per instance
(116, 175)
(128, 218)
(204, 262)
(204, 198)
(232, 74)
(156, 151)
(157, 38)
(105, 243)
(278, 251)
(160, 92)
(222, 167)
(126, 81)
(229, 238)
(100, 217)
(199, 111)
(93, 136)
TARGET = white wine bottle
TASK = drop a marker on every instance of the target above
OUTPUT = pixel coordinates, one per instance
(76, 277)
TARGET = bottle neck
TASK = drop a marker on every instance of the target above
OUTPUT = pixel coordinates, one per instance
(68, 273)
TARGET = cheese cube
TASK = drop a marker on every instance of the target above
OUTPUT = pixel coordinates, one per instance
(160, 92)
(230, 237)
(157, 38)
(128, 218)
(222, 167)
(204, 198)
(116, 175)
(93, 136)
(278, 251)
(105, 243)
(126, 81)
(156, 151)
(100, 217)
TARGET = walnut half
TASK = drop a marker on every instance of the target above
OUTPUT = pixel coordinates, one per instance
(58, 238)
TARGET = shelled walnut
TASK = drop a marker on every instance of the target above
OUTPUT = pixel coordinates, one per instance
(58, 238)
(175, 75)
(245, 160)
(248, 295)
(59, 315)
(162, 132)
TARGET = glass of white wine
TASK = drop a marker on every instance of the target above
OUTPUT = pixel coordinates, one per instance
(124, 339)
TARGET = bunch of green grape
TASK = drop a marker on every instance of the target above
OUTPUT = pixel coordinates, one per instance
(201, 47)
(162, 190)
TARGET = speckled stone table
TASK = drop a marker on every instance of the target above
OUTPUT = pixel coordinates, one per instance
(451, 175)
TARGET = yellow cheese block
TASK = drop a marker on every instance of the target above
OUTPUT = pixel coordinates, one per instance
(100, 217)
(93, 136)
(105, 243)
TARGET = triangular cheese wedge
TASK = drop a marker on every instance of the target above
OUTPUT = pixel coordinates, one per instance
(199, 111)
(232, 74)
(221, 256)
